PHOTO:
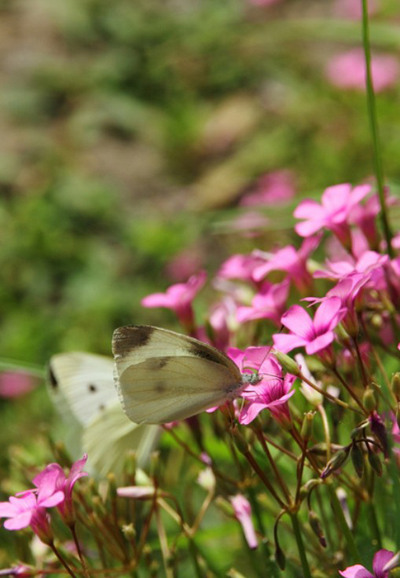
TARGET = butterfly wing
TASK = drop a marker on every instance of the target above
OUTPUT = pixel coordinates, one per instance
(110, 435)
(163, 376)
(82, 387)
(81, 382)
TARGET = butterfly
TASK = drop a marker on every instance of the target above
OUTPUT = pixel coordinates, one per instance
(82, 388)
(163, 376)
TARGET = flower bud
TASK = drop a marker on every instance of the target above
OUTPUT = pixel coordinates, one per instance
(369, 399)
(375, 463)
(308, 487)
(357, 457)
(395, 385)
(307, 425)
(316, 527)
(287, 363)
(280, 557)
(338, 460)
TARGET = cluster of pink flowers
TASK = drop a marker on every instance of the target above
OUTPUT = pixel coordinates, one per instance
(362, 280)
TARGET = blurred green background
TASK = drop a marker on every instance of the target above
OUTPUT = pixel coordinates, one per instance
(129, 132)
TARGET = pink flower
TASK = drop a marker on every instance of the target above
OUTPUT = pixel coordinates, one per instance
(16, 383)
(347, 70)
(222, 321)
(250, 224)
(29, 508)
(348, 290)
(333, 212)
(179, 299)
(315, 335)
(242, 510)
(63, 483)
(241, 267)
(271, 189)
(183, 265)
(269, 303)
(271, 392)
(369, 262)
(383, 562)
(291, 261)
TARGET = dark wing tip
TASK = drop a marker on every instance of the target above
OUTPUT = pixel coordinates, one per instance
(52, 377)
(130, 337)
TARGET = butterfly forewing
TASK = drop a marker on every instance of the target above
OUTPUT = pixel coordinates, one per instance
(163, 376)
(82, 382)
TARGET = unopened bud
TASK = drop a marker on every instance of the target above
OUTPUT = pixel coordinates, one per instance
(112, 484)
(308, 487)
(338, 460)
(280, 557)
(287, 363)
(357, 458)
(342, 334)
(307, 425)
(369, 399)
(396, 385)
(375, 463)
(316, 527)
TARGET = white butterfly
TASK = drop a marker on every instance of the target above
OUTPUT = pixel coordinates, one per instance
(83, 390)
(163, 376)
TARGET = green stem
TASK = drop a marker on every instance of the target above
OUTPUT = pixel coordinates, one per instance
(300, 545)
(374, 130)
(374, 524)
(345, 530)
(61, 559)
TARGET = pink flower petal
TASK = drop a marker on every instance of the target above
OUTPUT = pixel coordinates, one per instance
(356, 571)
(297, 320)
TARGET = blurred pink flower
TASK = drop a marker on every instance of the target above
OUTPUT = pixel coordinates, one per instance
(352, 9)
(249, 224)
(333, 213)
(347, 70)
(269, 303)
(383, 562)
(242, 509)
(273, 188)
(21, 570)
(183, 265)
(241, 266)
(179, 299)
(314, 334)
(16, 383)
(291, 261)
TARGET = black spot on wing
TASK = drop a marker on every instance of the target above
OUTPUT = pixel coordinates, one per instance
(52, 378)
(92, 388)
(206, 352)
(127, 338)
